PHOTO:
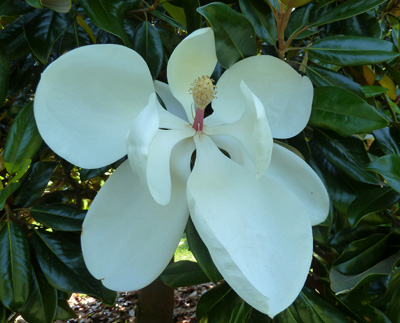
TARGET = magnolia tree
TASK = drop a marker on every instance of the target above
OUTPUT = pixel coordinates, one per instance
(265, 130)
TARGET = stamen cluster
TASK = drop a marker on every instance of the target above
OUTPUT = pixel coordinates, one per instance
(203, 91)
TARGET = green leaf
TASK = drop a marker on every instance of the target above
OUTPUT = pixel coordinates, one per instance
(234, 34)
(388, 139)
(347, 154)
(343, 112)
(325, 77)
(216, 305)
(13, 8)
(352, 50)
(61, 6)
(347, 9)
(6, 192)
(147, 42)
(193, 18)
(168, 20)
(15, 266)
(298, 20)
(108, 15)
(23, 140)
(3, 317)
(370, 202)
(62, 263)
(373, 90)
(201, 253)
(345, 283)
(59, 216)
(361, 255)
(64, 311)
(365, 24)
(311, 307)
(35, 3)
(184, 273)
(34, 183)
(13, 39)
(41, 305)
(241, 313)
(4, 74)
(262, 19)
(389, 167)
(86, 174)
(42, 29)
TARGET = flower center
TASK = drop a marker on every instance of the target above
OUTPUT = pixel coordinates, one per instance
(203, 91)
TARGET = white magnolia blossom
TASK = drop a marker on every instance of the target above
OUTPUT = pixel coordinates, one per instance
(254, 210)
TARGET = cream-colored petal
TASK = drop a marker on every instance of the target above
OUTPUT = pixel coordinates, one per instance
(193, 57)
(290, 170)
(149, 150)
(86, 100)
(252, 228)
(172, 104)
(127, 238)
(252, 130)
(285, 94)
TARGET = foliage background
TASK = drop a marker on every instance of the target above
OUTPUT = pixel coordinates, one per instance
(350, 51)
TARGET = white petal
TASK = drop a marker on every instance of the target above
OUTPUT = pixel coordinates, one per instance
(149, 150)
(172, 104)
(252, 130)
(253, 229)
(285, 94)
(127, 238)
(293, 172)
(86, 100)
(193, 57)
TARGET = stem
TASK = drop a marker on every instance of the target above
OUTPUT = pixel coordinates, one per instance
(391, 110)
(291, 38)
(284, 16)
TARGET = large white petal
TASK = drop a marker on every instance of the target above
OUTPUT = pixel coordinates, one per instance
(149, 149)
(86, 100)
(285, 94)
(127, 238)
(252, 130)
(193, 57)
(293, 172)
(172, 104)
(258, 233)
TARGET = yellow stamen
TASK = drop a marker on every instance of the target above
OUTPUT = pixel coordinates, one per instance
(203, 91)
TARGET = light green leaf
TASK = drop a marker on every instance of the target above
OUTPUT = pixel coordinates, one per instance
(6, 192)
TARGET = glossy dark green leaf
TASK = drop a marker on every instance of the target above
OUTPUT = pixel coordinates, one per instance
(64, 311)
(365, 24)
(41, 305)
(42, 29)
(13, 7)
(347, 9)
(3, 317)
(13, 39)
(168, 20)
(343, 112)
(389, 167)
(310, 307)
(147, 42)
(61, 6)
(234, 34)
(298, 20)
(59, 216)
(35, 3)
(86, 174)
(373, 90)
(216, 305)
(361, 255)
(388, 139)
(347, 154)
(34, 183)
(15, 266)
(370, 202)
(108, 15)
(262, 19)
(393, 72)
(352, 50)
(23, 140)
(240, 313)
(4, 74)
(6, 192)
(345, 283)
(357, 302)
(325, 77)
(184, 273)
(193, 18)
(62, 263)
(201, 253)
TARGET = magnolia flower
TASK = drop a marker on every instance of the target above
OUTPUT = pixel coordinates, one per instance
(254, 209)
